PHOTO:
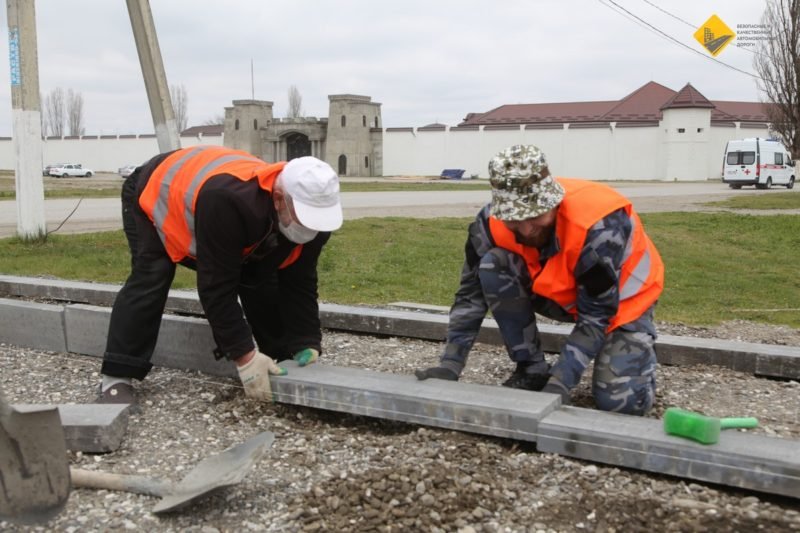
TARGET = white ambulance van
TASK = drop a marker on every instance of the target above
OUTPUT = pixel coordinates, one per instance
(758, 162)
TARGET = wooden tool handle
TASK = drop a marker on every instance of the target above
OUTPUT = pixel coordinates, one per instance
(92, 479)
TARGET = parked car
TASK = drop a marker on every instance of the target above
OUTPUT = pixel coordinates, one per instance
(70, 170)
(46, 170)
(126, 171)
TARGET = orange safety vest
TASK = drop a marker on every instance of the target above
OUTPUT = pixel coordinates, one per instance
(170, 196)
(584, 204)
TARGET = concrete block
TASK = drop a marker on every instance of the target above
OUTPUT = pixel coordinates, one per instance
(32, 325)
(778, 366)
(479, 409)
(183, 342)
(86, 329)
(739, 459)
(59, 290)
(187, 343)
(93, 428)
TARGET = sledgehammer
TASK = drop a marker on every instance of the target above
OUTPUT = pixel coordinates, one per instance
(704, 429)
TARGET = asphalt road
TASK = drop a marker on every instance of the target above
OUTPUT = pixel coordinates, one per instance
(100, 214)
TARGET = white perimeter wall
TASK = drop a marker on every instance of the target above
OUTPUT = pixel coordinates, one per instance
(105, 154)
(600, 153)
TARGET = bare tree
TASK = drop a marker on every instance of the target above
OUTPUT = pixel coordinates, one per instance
(55, 111)
(216, 120)
(75, 113)
(180, 105)
(295, 103)
(778, 65)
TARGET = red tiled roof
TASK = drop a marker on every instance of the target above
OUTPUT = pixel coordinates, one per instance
(688, 97)
(746, 111)
(643, 104)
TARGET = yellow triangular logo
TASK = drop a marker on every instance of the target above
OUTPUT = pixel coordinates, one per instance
(714, 35)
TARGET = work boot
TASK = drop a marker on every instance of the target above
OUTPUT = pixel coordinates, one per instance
(119, 393)
(526, 377)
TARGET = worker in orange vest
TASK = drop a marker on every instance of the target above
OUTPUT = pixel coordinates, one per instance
(253, 231)
(571, 250)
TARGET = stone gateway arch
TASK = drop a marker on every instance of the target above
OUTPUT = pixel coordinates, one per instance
(350, 139)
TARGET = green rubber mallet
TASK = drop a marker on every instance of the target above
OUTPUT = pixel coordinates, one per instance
(704, 429)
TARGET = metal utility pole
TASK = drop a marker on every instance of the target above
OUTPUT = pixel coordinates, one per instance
(155, 78)
(26, 119)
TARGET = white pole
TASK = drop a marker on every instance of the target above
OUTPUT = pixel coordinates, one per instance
(155, 78)
(26, 119)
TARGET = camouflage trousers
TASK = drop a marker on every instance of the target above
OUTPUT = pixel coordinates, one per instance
(624, 371)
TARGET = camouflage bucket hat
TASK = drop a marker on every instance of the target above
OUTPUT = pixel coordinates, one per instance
(522, 187)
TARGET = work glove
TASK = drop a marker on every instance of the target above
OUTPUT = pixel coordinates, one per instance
(306, 357)
(437, 372)
(554, 386)
(255, 376)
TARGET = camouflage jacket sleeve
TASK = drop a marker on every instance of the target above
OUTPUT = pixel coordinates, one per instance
(469, 307)
(597, 275)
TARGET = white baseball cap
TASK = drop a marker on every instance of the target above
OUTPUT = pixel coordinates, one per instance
(314, 189)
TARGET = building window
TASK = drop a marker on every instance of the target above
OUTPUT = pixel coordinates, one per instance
(343, 165)
(681, 130)
(236, 124)
(366, 161)
(376, 122)
(255, 123)
(344, 121)
(699, 130)
(364, 120)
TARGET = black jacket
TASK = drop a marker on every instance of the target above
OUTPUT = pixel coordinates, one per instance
(231, 215)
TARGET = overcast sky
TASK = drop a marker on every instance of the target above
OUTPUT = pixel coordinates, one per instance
(425, 61)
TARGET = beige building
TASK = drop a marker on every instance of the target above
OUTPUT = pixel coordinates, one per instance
(350, 139)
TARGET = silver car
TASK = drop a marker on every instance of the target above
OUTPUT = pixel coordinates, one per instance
(126, 171)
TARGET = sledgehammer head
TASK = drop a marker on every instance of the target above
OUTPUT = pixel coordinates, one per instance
(704, 429)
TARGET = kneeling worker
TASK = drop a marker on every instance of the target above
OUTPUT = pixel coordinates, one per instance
(253, 231)
(571, 250)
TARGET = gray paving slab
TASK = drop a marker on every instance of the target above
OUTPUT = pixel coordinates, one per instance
(739, 459)
(482, 409)
(32, 325)
(183, 342)
(92, 428)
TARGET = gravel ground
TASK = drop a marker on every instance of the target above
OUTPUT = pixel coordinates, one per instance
(328, 471)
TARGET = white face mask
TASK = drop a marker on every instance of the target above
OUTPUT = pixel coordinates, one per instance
(297, 233)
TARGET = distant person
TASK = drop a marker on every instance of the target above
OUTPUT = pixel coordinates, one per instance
(571, 250)
(253, 231)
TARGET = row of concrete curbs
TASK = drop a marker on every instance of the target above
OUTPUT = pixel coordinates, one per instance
(75, 319)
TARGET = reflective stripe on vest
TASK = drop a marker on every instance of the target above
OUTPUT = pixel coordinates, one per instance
(170, 196)
(585, 203)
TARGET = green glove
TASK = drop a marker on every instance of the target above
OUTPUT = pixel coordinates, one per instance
(306, 357)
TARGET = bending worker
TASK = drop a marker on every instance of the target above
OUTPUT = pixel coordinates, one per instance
(253, 231)
(571, 250)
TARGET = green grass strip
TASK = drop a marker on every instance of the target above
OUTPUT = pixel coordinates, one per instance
(720, 266)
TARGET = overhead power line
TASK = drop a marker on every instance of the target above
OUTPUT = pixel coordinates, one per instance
(638, 20)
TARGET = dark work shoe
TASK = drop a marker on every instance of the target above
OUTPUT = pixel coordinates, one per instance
(436, 372)
(119, 393)
(522, 380)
